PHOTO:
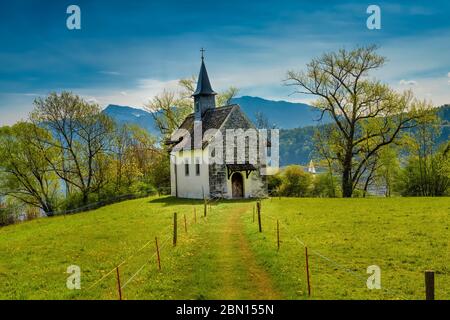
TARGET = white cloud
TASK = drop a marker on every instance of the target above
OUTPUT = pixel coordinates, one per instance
(155, 84)
(408, 82)
(110, 73)
(135, 97)
(430, 89)
(91, 99)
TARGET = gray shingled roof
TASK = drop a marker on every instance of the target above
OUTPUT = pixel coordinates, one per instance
(212, 119)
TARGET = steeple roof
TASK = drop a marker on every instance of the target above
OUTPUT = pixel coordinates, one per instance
(203, 84)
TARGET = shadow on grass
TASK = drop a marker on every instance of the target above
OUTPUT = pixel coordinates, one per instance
(170, 201)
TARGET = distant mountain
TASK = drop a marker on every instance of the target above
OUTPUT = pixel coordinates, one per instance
(283, 114)
(129, 115)
(296, 121)
(297, 145)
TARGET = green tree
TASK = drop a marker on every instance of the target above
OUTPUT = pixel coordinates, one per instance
(324, 186)
(295, 182)
(160, 172)
(389, 170)
(427, 175)
(274, 182)
(367, 114)
(25, 173)
(82, 134)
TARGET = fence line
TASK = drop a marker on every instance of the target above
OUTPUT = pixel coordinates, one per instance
(120, 264)
(142, 267)
(130, 257)
(290, 232)
(321, 255)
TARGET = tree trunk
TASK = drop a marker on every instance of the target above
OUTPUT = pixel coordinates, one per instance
(347, 181)
(48, 209)
(85, 198)
(347, 184)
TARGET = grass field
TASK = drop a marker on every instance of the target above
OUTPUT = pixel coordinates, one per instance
(223, 256)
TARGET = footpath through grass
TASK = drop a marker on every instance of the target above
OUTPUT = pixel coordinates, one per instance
(223, 256)
(212, 260)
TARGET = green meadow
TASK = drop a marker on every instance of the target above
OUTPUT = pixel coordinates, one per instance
(224, 256)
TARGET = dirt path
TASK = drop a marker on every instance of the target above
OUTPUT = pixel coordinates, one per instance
(243, 277)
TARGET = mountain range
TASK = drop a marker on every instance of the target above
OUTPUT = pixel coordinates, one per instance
(296, 122)
(282, 114)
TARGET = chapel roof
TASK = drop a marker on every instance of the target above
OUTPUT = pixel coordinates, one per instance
(212, 119)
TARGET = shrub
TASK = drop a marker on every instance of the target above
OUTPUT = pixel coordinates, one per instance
(295, 182)
(325, 186)
(273, 184)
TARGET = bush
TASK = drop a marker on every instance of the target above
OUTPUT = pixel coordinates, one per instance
(295, 182)
(325, 186)
(10, 212)
(273, 184)
(427, 176)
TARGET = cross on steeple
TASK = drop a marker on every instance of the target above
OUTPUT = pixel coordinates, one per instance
(202, 51)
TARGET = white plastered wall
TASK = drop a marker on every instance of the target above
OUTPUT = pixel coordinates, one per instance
(192, 186)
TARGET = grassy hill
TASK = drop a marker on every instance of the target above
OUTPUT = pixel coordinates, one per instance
(224, 255)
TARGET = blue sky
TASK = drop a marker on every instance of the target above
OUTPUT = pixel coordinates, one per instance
(128, 51)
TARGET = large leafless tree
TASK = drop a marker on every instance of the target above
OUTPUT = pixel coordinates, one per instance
(367, 114)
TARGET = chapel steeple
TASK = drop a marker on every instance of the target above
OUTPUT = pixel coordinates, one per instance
(204, 95)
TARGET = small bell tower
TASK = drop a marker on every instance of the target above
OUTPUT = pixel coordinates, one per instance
(204, 95)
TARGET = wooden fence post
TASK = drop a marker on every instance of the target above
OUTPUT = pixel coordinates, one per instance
(119, 288)
(307, 271)
(157, 254)
(195, 215)
(429, 284)
(185, 224)
(278, 235)
(258, 207)
(205, 207)
(174, 229)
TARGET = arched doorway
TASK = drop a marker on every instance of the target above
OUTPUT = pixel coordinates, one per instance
(237, 185)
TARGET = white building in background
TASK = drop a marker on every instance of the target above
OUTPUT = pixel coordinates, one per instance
(311, 168)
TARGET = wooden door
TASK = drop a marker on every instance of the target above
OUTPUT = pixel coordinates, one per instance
(237, 185)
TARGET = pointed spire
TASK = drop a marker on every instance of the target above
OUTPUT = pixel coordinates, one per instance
(203, 84)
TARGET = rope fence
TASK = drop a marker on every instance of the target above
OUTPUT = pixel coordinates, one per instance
(207, 203)
(134, 254)
(328, 259)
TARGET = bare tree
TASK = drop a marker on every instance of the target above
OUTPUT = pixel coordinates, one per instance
(363, 109)
(81, 133)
